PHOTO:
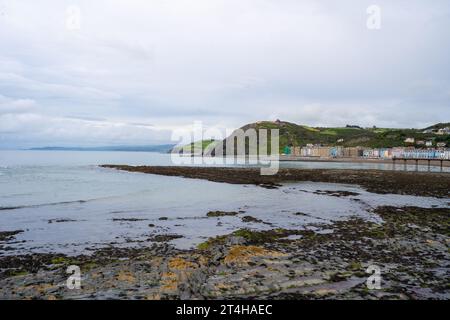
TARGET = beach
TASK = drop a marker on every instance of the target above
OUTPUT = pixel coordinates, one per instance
(410, 248)
(316, 234)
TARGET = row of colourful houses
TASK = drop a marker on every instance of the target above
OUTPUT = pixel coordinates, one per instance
(368, 153)
(423, 154)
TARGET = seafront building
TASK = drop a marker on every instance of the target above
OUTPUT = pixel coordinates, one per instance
(367, 153)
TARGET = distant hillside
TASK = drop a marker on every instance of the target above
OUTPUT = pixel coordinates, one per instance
(438, 126)
(153, 148)
(194, 146)
(292, 134)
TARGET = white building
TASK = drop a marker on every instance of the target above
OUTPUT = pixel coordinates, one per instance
(443, 131)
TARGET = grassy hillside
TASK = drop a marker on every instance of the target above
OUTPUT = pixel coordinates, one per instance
(438, 126)
(292, 134)
(194, 146)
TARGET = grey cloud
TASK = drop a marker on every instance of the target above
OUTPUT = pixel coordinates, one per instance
(9, 105)
(138, 68)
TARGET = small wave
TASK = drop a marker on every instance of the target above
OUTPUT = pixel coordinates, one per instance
(56, 203)
(44, 204)
(11, 208)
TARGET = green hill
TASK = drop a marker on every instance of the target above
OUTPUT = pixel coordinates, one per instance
(292, 134)
(438, 126)
(193, 147)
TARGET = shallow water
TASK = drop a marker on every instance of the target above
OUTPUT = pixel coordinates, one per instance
(65, 203)
(29, 158)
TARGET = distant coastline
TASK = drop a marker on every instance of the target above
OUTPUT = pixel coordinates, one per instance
(164, 148)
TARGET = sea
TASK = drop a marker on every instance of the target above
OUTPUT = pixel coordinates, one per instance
(63, 202)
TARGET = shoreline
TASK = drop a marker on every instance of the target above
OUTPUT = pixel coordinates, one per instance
(422, 162)
(429, 184)
(434, 163)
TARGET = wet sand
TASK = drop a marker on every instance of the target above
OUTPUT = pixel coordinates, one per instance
(428, 184)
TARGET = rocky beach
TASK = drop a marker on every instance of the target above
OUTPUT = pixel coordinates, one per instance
(409, 245)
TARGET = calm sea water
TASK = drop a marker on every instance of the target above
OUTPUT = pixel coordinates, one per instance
(65, 203)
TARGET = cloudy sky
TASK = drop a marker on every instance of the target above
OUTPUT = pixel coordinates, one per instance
(128, 72)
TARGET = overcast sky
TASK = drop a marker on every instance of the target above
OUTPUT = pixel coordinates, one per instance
(128, 72)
